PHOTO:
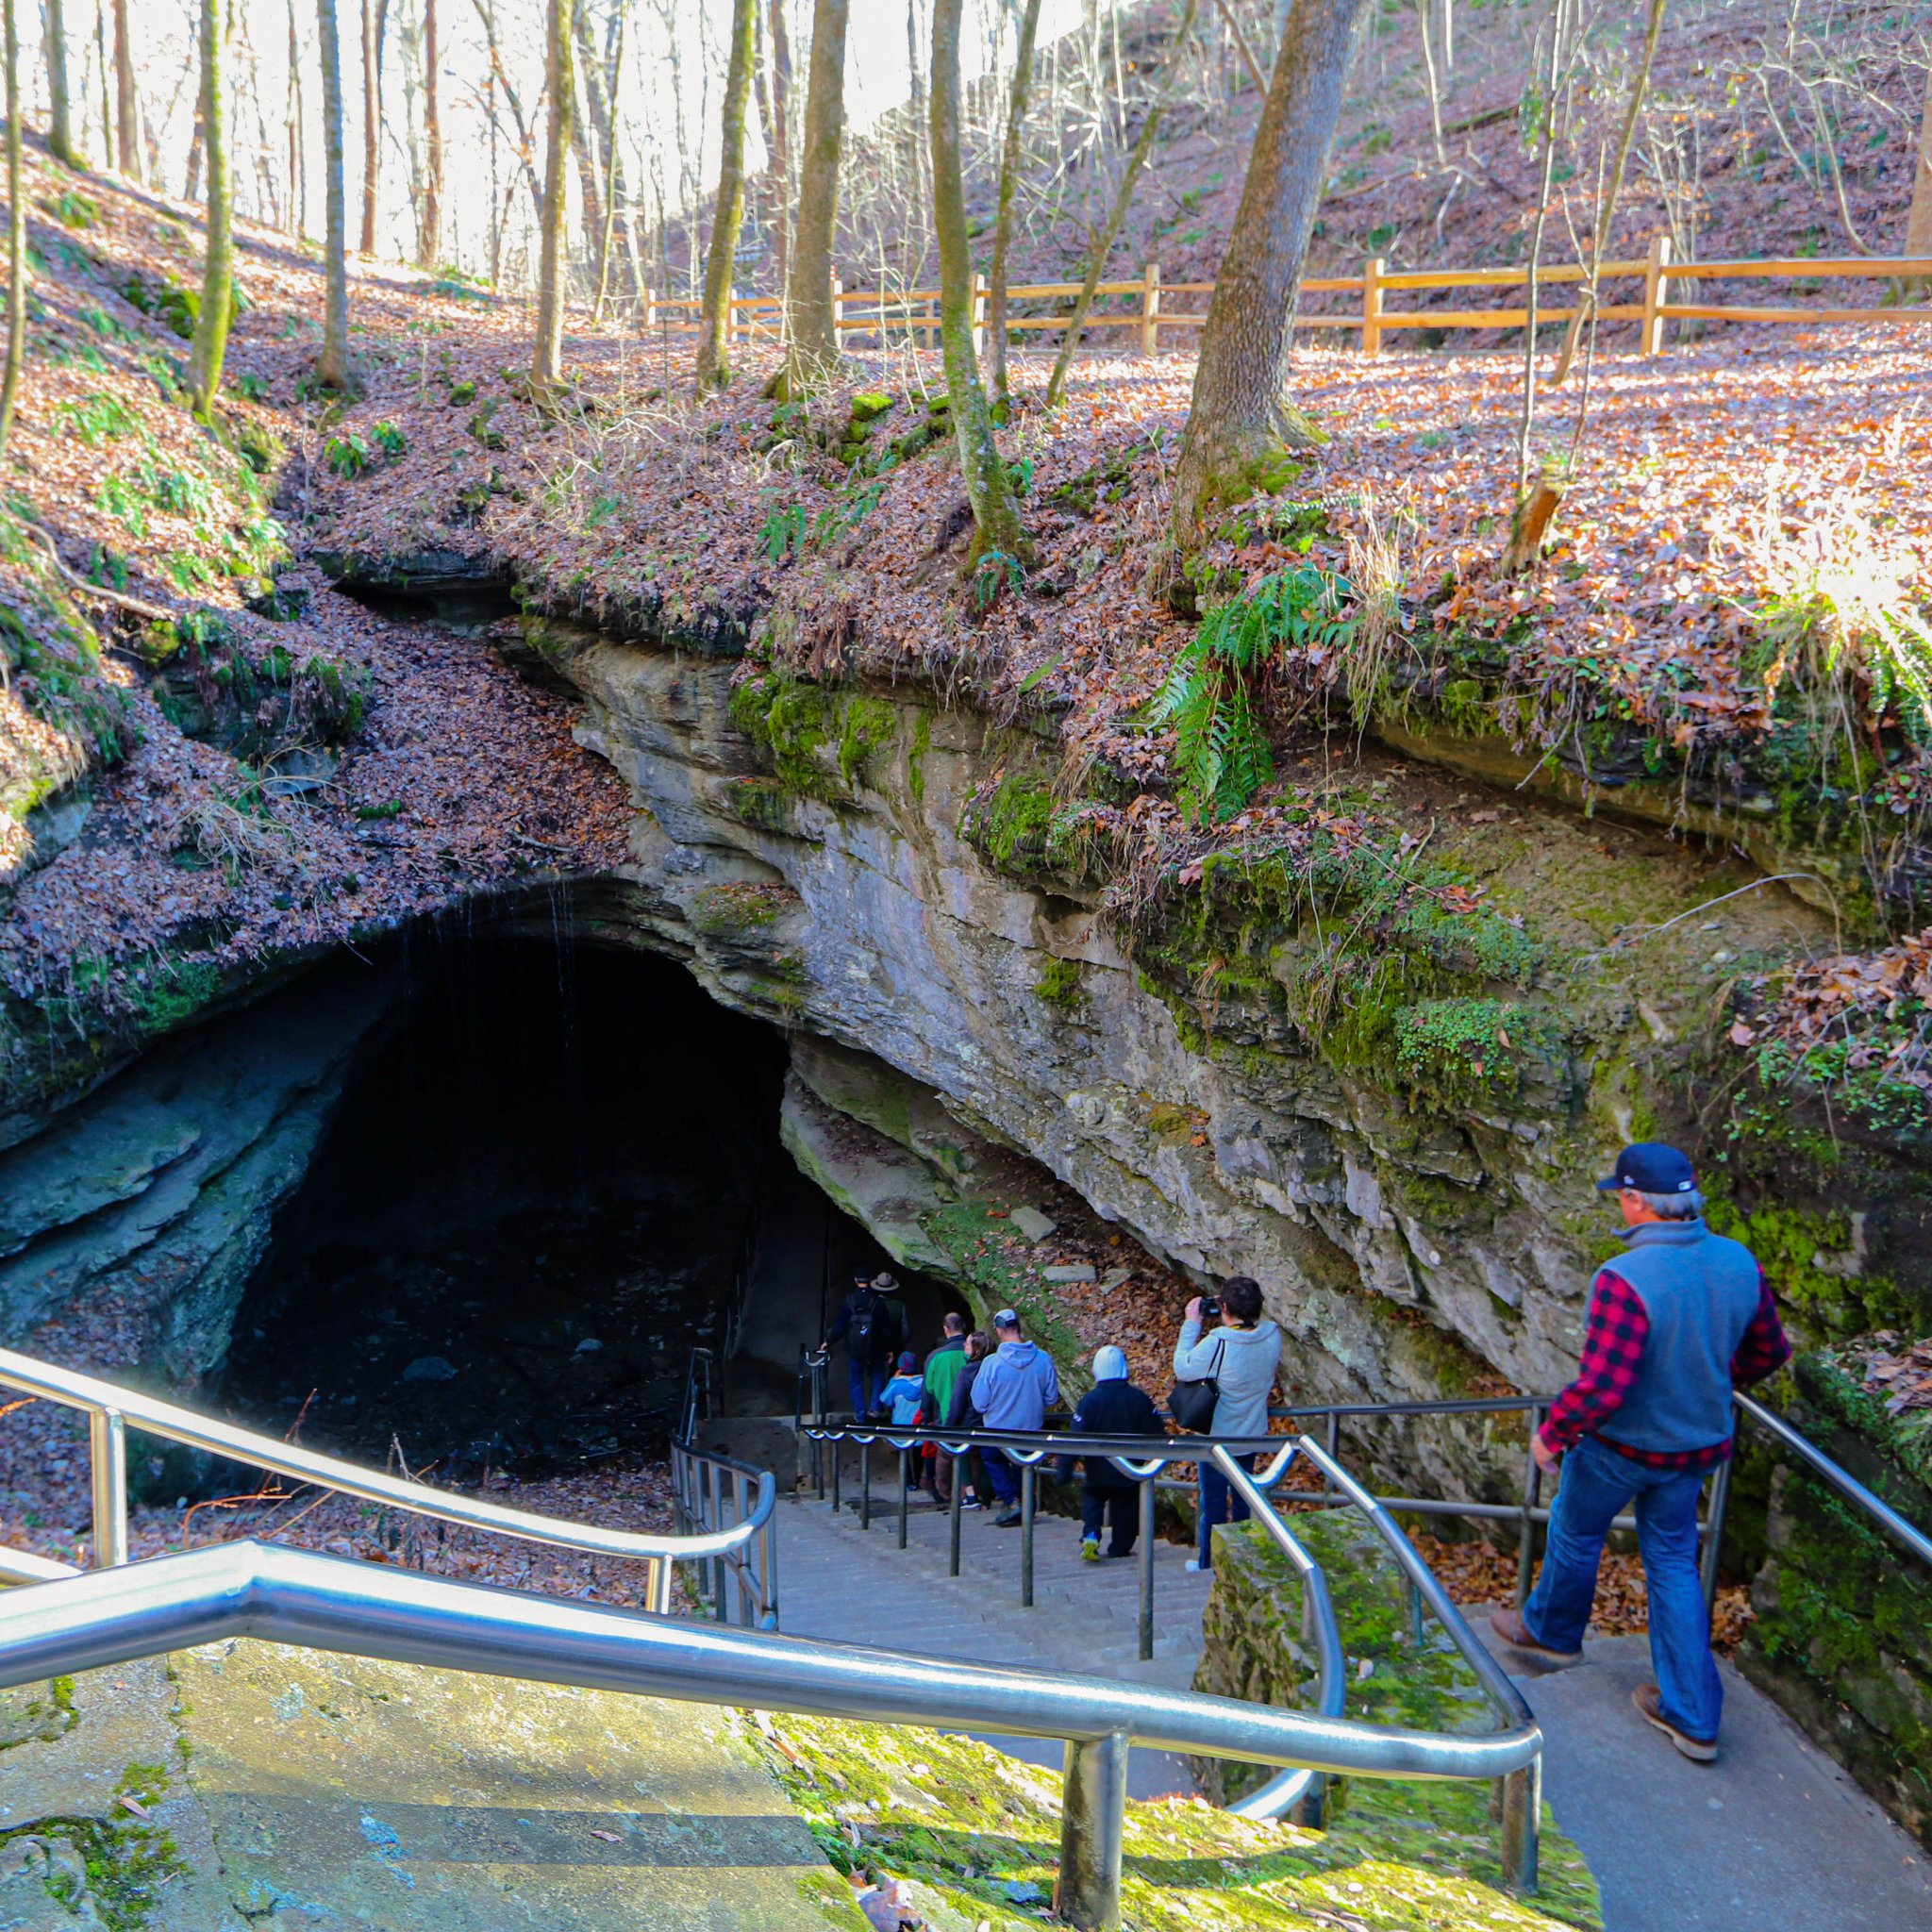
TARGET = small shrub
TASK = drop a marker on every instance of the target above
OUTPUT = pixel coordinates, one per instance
(72, 208)
(784, 533)
(123, 500)
(390, 440)
(184, 492)
(348, 455)
(250, 386)
(97, 419)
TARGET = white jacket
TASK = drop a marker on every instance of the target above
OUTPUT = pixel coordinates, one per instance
(1242, 1362)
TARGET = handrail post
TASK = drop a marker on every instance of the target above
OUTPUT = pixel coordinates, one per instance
(1093, 1816)
(904, 1491)
(1372, 305)
(956, 1504)
(1522, 1809)
(1145, 1505)
(1150, 308)
(1532, 1485)
(1650, 338)
(1307, 1809)
(1026, 1503)
(864, 1484)
(837, 1446)
(1714, 1529)
(108, 1453)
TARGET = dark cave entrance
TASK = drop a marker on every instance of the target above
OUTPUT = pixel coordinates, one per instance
(558, 1170)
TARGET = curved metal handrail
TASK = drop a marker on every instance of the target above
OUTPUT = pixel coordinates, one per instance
(111, 1410)
(248, 1589)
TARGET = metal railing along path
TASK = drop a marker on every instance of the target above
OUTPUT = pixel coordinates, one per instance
(713, 1494)
(269, 1592)
(112, 1409)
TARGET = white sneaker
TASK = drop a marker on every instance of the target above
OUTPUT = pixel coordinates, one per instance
(1195, 1566)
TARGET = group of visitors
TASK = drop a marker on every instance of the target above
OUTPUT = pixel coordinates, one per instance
(1674, 1325)
(1004, 1382)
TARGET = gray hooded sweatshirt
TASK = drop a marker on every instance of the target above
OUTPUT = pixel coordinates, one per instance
(1242, 1361)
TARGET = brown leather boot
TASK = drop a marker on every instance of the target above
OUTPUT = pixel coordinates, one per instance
(1649, 1702)
(1510, 1627)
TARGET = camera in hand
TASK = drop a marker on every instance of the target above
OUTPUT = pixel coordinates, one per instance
(1211, 1307)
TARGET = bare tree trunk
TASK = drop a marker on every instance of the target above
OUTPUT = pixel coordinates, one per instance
(714, 325)
(16, 231)
(333, 368)
(1010, 155)
(429, 243)
(298, 158)
(1607, 208)
(604, 97)
(1918, 218)
(374, 26)
(916, 119)
(1232, 21)
(586, 135)
(218, 266)
(546, 358)
(501, 80)
(778, 139)
(811, 334)
(60, 109)
(1240, 424)
(1433, 80)
(1117, 215)
(990, 490)
(126, 101)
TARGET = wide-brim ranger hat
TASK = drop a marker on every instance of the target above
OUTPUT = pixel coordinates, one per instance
(1652, 1167)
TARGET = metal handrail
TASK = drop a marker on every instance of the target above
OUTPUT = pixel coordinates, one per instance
(111, 1410)
(708, 1487)
(284, 1595)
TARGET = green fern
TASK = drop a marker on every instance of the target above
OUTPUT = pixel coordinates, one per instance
(1221, 754)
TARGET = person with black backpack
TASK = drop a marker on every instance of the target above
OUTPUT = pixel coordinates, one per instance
(872, 1325)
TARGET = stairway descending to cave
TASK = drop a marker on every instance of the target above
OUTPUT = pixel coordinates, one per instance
(838, 1579)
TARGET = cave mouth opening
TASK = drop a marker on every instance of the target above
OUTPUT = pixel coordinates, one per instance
(556, 1170)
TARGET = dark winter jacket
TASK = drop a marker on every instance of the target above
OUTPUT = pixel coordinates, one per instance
(888, 1326)
(960, 1413)
(1111, 1409)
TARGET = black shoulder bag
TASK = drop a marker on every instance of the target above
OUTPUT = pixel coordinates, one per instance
(1191, 1404)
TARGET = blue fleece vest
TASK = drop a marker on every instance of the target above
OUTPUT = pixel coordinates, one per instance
(1700, 1290)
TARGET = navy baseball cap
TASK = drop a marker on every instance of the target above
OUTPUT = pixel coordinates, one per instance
(1651, 1168)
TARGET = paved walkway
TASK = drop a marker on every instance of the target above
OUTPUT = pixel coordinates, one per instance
(1773, 1837)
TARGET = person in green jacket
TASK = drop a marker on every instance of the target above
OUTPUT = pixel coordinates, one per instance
(942, 1370)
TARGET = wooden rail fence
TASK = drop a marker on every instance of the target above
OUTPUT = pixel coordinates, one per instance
(915, 313)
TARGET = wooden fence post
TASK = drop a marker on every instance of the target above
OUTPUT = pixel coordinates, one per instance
(979, 313)
(838, 308)
(1655, 292)
(1150, 308)
(732, 330)
(650, 307)
(1372, 305)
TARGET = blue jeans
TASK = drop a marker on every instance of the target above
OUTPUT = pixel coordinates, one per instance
(1597, 1482)
(1218, 1504)
(1004, 1477)
(865, 1381)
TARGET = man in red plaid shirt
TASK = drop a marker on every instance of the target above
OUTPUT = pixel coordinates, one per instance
(1674, 1324)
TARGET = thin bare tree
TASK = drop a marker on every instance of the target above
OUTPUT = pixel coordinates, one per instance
(127, 99)
(1102, 244)
(16, 230)
(374, 27)
(1613, 189)
(333, 366)
(1919, 216)
(218, 263)
(1241, 425)
(546, 356)
(59, 102)
(778, 131)
(811, 332)
(1010, 153)
(998, 534)
(714, 324)
(429, 241)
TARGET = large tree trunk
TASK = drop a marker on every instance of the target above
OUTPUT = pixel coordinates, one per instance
(16, 229)
(334, 366)
(1117, 215)
(1240, 424)
(1010, 182)
(811, 334)
(1918, 218)
(1613, 187)
(375, 24)
(546, 357)
(995, 515)
(218, 266)
(714, 328)
(60, 109)
(429, 243)
(586, 137)
(126, 100)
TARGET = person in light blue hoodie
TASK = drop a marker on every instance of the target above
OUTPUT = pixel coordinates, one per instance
(1015, 1386)
(904, 1393)
(1241, 1359)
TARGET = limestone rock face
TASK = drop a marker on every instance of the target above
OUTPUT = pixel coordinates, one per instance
(841, 899)
(154, 1194)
